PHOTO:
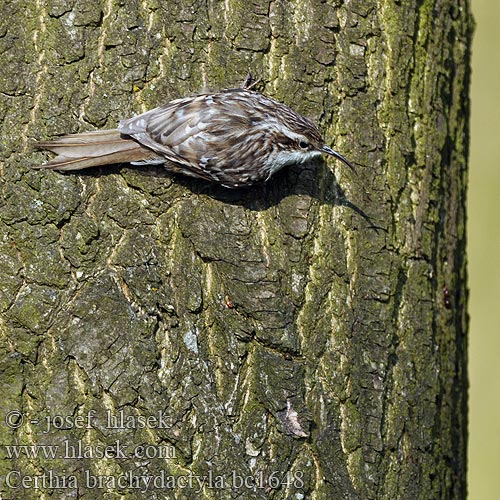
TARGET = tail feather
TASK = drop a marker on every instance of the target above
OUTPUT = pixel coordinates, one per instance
(91, 149)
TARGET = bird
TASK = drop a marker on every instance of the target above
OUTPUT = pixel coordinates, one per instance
(235, 138)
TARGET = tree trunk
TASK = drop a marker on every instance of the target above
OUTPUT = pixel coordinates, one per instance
(164, 338)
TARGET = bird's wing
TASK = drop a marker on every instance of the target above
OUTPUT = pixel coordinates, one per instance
(190, 131)
(144, 129)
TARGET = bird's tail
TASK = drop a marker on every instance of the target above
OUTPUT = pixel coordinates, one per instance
(91, 149)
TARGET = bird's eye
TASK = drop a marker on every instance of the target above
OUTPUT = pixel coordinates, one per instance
(303, 144)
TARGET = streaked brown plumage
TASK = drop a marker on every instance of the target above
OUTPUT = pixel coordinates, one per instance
(235, 138)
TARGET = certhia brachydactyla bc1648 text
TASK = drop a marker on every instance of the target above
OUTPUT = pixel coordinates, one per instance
(234, 138)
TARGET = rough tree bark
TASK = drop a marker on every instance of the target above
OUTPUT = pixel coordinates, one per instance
(303, 339)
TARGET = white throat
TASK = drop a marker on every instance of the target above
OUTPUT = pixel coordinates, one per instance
(280, 159)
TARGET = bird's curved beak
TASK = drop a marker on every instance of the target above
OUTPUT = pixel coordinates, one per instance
(330, 151)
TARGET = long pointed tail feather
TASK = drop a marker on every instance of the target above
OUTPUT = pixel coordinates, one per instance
(91, 149)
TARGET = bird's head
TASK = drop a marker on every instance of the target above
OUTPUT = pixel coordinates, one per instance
(300, 141)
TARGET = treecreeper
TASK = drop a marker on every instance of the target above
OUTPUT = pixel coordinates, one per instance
(235, 138)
